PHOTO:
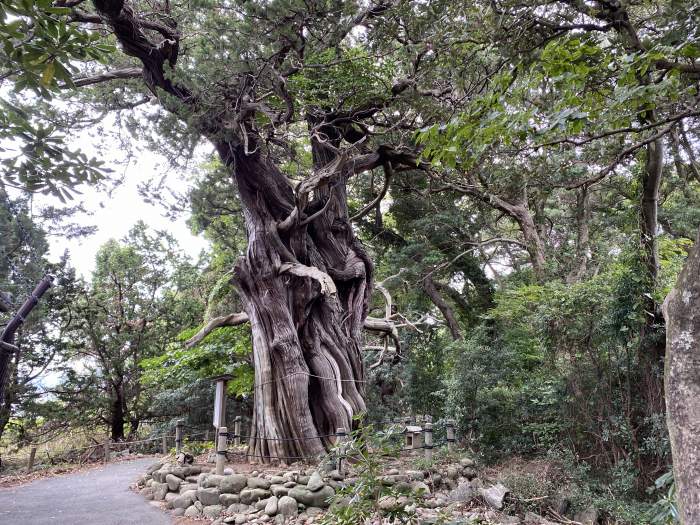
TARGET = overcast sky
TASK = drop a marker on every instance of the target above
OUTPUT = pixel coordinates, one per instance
(115, 212)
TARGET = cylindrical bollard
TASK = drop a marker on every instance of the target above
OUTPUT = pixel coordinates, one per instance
(30, 463)
(165, 445)
(237, 430)
(342, 436)
(178, 435)
(221, 446)
(450, 435)
(106, 450)
(428, 440)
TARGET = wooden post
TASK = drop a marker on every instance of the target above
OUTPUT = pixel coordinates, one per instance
(220, 401)
(165, 445)
(237, 430)
(178, 436)
(106, 450)
(428, 440)
(409, 437)
(450, 435)
(342, 435)
(32, 455)
(221, 446)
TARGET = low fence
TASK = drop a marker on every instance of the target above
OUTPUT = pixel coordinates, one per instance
(105, 451)
(417, 434)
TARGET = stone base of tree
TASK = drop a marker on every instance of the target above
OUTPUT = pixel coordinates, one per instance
(301, 496)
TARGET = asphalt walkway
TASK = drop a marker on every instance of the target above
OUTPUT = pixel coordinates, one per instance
(98, 496)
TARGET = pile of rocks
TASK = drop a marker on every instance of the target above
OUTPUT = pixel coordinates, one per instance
(258, 497)
(443, 491)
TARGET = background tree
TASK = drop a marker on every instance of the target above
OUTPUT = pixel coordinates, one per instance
(127, 313)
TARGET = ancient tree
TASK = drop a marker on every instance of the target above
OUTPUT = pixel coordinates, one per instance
(305, 280)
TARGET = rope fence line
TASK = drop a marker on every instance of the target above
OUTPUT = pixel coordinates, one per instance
(262, 438)
(416, 437)
(420, 438)
(77, 455)
(301, 372)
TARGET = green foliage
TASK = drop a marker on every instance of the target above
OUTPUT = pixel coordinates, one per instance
(224, 351)
(665, 510)
(38, 52)
(38, 45)
(130, 311)
(557, 363)
(349, 74)
(359, 501)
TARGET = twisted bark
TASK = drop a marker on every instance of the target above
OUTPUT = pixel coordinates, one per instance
(306, 293)
(305, 280)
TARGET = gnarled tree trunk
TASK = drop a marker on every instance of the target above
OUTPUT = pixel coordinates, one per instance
(305, 289)
(305, 280)
(682, 385)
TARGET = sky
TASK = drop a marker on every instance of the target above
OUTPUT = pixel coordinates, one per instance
(115, 212)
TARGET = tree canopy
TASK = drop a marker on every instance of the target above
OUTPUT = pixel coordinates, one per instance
(473, 208)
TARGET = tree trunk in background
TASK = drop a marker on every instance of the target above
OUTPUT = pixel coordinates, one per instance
(445, 309)
(306, 293)
(10, 391)
(651, 349)
(117, 413)
(583, 218)
(520, 213)
(682, 381)
(533, 241)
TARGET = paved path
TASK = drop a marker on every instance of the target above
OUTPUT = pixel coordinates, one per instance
(99, 496)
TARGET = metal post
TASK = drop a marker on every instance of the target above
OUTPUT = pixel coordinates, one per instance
(30, 463)
(106, 449)
(178, 436)
(428, 439)
(165, 445)
(221, 446)
(450, 435)
(342, 435)
(237, 430)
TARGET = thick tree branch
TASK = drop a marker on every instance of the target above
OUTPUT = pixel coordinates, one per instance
(311, 272)
(129, 30)
(445, 309)
(234, 319)
(383, 326)
(117, 74)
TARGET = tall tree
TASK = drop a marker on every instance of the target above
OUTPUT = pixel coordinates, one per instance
(305, 280)
(127, 313)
